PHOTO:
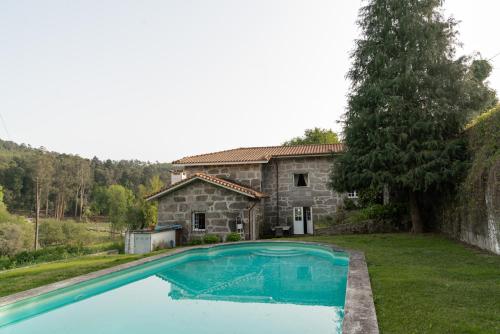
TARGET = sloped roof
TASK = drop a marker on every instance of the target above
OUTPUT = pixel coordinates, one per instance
(260, 154)
(243, 190)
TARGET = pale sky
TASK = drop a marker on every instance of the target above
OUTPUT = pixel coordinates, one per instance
(159, 80)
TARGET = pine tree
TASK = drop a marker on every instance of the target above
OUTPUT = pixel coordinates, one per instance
(410, 98)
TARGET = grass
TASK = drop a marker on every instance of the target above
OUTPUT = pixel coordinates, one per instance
(421, 284)
(429, 284)
(21, 279)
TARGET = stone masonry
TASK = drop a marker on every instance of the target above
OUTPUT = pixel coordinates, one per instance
(284, 195)
(249, 175)
(275, 178)
(221, 208)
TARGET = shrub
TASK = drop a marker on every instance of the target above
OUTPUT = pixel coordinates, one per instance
(10, 239)
(211, 238)
(393, 212)
(358, 216)
(232, 237)
(16, 233)
(195, 241)
(55, 232)
(340, 215)
(53, 254)
(350, 204)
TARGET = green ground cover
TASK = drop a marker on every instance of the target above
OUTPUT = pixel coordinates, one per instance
(421, 284)
(429, 284)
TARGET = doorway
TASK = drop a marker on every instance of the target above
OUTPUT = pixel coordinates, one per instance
(302, 220)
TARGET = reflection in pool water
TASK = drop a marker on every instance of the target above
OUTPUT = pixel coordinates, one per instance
(248, 288)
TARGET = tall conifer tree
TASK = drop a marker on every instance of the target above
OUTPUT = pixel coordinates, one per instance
(410, 99)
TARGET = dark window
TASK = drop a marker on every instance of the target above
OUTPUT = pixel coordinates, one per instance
(300, 180)
(198, 221)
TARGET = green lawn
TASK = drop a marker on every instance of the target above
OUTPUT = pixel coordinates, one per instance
(16, 280)
(429, 284)
(421, 284)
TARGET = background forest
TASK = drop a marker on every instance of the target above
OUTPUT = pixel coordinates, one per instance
(71, 186)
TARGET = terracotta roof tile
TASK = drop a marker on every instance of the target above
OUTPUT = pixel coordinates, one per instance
(230, 185)
(260, 154)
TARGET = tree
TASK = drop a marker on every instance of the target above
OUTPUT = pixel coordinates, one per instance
(314, 136)
(83, 187)
(148, 209)
(409, 100)
(120, 200)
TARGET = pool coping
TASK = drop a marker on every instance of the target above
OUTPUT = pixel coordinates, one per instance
(359, 317)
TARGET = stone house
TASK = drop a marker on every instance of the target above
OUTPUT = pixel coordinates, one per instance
(253, 191)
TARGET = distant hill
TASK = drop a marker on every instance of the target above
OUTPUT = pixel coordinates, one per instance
(68, 183)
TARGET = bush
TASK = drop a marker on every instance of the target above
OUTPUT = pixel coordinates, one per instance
(358, 216)
(232, 237)
(340, 215)
(15, 235)
(211, 238)
(10, 239)
(195, 241)
(393, 212)
(53, 254)
(55, 232)
(350, 204)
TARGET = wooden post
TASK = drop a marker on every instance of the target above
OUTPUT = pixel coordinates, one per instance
(37, 215)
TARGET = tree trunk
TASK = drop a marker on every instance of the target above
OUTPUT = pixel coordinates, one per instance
(416, 220)
(37, 215)
(82, 192)
(47, 206)
(76, 203)
(63, 208)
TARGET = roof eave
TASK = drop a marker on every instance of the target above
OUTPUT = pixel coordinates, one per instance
(223, 163)
(188, 181)
(220, 163)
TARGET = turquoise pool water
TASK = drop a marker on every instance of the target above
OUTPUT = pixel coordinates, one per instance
(244, 288)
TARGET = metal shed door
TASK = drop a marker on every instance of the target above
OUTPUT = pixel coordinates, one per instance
(142, 243)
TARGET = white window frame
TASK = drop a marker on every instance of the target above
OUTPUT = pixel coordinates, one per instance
(306, 175)
(296, 210)
(193, 221)
(352, 194)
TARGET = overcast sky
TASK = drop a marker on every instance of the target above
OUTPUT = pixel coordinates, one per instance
(158, 80)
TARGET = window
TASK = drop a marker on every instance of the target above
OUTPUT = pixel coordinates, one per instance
(300, 180)
(352, 194)
(198, 221)
(297, 214)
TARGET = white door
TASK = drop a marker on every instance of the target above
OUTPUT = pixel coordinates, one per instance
(142, 243)
(298, 220)
(309, 220)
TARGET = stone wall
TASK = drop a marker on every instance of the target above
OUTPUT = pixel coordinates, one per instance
(284, 195)
(248, 175)
(472, 214)
(221, 208)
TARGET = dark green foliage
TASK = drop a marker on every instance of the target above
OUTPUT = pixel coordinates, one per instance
(211, 239)
(195, 241)
(63, 176)
(232, 237)
(314, 136)
(388, 212)
(350, 204)
(48, 254)
(369, 196)
(409, 101)
(472, 204)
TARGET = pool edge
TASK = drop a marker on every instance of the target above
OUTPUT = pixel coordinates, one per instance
(360, 316)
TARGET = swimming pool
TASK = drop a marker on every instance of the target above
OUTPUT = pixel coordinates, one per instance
(243, 288)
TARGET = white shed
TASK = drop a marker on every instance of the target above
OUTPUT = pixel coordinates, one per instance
(146, 241)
